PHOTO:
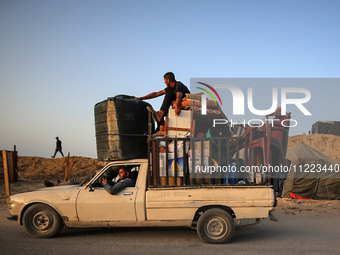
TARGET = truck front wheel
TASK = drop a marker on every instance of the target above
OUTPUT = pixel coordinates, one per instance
(42, 221)
(215, 226)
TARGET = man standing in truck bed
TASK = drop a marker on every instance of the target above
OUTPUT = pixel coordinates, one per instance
(174, 91)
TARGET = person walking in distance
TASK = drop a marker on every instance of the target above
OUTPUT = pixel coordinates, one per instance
(58, 148)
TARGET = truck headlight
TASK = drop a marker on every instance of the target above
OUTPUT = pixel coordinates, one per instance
(12, 204)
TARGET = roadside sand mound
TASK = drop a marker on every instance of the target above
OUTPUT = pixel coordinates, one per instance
(326, 144)
(34, 168)
(44, 168)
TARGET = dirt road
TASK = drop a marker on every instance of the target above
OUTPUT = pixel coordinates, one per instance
(304, 227)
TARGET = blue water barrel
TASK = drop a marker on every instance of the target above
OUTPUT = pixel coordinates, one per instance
(121, 125)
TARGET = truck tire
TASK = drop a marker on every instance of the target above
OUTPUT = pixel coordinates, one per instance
(42, 221)
(215, 226)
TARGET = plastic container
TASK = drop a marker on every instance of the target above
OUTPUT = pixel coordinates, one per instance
(121, 125)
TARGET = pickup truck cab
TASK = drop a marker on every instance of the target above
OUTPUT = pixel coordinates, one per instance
(212, 209)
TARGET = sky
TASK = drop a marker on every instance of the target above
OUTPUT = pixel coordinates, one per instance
(59, 58)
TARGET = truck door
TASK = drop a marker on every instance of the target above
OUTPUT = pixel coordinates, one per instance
(99, 205)
(96, 204)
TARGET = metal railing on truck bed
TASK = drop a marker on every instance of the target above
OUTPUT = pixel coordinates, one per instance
(200, 161)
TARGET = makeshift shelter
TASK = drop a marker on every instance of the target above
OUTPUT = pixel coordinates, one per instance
(312, 175)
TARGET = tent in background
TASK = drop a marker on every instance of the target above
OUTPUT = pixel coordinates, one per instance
(305, 178)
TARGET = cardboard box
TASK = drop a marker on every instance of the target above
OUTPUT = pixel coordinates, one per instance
(182, 122)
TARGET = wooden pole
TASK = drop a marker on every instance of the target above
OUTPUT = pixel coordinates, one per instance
(67, 167)
(6, 175)
(15, 164)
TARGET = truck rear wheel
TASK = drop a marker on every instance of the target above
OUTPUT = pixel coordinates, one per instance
(42, 221)
(215, 226)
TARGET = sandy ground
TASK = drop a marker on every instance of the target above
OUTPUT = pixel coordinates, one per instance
(326, 144)
(37, 168)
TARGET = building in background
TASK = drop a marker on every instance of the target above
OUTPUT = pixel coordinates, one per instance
(326, 127)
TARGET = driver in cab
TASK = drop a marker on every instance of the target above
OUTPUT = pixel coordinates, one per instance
(124, 181)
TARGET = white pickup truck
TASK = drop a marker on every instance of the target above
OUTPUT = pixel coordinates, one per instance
(212, 209)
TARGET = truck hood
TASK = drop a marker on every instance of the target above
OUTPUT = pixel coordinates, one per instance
(47, 194)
